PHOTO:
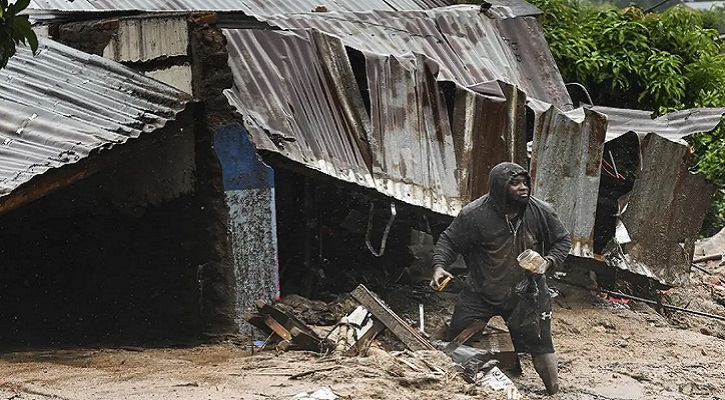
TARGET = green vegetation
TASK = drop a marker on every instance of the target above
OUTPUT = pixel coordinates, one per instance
(14, 29)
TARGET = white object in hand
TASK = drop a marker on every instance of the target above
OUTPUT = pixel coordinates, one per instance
(532, 261)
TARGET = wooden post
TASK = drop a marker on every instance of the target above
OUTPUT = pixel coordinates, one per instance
(391, 320)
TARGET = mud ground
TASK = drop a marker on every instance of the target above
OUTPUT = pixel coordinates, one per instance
(606, 351)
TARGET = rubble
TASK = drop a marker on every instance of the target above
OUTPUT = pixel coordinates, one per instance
(354, 335)
(292, 333)
(412, 339)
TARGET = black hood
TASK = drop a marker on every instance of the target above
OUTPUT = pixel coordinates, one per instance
(499, 179)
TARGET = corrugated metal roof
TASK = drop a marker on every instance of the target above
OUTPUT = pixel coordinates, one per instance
(469, 47)
(673, 126)
(369, 111)
(295, 103)
(61, 105)
(250, 7)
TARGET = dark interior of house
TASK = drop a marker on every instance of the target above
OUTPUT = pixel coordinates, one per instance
(77, 268)
(324, 228)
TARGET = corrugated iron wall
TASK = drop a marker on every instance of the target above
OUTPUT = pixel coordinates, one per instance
(566, 168)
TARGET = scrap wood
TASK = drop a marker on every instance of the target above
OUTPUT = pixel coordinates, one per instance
(430, 365)
(280, 330)
(361, 346)
(707, 258)
(289, 321)
(409, 336)
(294, 333)
(472, 329)
(313, 371)
(359, 319)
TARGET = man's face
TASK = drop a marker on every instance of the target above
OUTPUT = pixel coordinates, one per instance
(518, 189)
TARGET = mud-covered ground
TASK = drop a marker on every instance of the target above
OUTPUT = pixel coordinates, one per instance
(606, 351)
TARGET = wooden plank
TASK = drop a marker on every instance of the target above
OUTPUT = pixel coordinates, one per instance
(472, 329)
(306, 342)
(275, 326)
(285, 319)
(363, 342)
(257, 320)
(409, 336)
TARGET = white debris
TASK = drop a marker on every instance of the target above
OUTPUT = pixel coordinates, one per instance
(324, 393)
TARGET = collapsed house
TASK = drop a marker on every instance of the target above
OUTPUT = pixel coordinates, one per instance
(324, 141)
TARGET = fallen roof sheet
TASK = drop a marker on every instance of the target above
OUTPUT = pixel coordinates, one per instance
(572, 186)
(59, 106)
(417, 105)
(665, 210)
(469, 47)
(250, 7)
(673, 126)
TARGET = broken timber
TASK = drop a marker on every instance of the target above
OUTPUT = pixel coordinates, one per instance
(294, 333)
(363, 343)
(392, 321)
(494, 341)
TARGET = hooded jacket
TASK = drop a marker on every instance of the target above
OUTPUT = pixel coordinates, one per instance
(490, 243)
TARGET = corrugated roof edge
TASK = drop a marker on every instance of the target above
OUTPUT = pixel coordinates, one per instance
(673, 126)
(62, 105)
(50, 9)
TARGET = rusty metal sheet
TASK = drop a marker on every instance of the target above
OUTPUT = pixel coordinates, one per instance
(397, 128)
(673, 126)
(572, 187)
(400, 102)
(470, 47)
(411, 142)
(665, 211)
(489, 127)
(62, 105)
(298, 103)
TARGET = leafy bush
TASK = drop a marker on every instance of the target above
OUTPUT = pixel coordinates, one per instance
(14, 29)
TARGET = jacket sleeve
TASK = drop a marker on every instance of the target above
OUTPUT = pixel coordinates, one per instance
(453, 241)
(559, 239)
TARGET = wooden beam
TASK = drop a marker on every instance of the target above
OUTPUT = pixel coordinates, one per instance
(287, 320)
(280, 330)
(409, 336)
(472, 329)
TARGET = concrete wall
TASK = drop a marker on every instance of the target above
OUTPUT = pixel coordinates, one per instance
(249, 189)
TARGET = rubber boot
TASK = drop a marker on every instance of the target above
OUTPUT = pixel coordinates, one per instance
(545, 365)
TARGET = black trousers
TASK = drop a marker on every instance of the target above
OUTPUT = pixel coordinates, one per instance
(530, 338)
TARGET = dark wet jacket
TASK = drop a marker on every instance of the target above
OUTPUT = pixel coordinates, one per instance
(489, 244)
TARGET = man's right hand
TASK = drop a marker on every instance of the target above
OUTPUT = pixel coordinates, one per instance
(439, 274)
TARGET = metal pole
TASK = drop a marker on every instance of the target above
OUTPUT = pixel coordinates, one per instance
(648, 301)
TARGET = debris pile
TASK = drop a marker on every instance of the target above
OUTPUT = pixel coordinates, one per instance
(421, 362)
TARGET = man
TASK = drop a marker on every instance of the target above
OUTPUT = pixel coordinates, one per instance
(490, 233)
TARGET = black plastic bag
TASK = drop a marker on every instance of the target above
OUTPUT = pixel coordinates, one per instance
(524, 320)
